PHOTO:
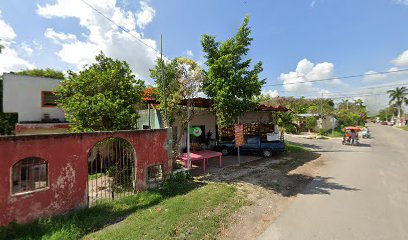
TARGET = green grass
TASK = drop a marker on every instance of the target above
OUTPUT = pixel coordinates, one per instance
(95, 176)
(404, 128)
(197, 215)
(185, 210)
(336, 133)
(294, 148)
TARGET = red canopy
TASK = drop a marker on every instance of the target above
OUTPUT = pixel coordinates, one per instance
(352, 128)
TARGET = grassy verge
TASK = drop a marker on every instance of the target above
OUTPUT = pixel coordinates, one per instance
(294, 148)
(197, 215)
(184, 210)
(336, 133)
(404, 128)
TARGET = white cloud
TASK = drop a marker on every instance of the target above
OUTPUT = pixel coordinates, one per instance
(404, 2)
(270, 93)
(402, 59)
(337, 83)
(27, 49)
(373, 77)
(6, 31)
(145, 15)
(312, 4)
(308, 72)
(102, 34)
(190, 53)
(58, 37)
(10, 60)
(396, 73)
(389, 77)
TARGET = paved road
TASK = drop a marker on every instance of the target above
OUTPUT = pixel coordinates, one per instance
(362, 192)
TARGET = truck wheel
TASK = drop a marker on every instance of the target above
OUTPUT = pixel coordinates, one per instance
(266, 153)
(225, 151)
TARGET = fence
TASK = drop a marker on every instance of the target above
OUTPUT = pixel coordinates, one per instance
(44, 175)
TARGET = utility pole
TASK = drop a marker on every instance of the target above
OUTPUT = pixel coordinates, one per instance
(239, 155)
(188, 136)
(321, 111)
(163, 81)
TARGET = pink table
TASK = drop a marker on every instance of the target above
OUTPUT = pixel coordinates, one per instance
(200, 155)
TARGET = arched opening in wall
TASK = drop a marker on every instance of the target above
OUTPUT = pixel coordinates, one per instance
(111, 170)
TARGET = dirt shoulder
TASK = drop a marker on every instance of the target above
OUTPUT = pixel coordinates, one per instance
(269, 185)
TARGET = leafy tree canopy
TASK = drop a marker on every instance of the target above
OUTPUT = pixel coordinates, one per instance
(302, 105)
(101, 97)
(387, 113)
(230, 81)
(7, 120)
(311, 123)
(48, 72)
(183, 81)
(398, 96)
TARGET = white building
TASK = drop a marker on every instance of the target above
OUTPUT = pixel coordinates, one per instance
(32, 98)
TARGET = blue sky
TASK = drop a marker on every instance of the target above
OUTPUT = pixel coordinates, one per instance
(296, 40)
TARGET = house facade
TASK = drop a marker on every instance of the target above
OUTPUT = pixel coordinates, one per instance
(32, 98)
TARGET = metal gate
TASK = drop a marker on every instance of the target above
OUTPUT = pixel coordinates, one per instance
(111, 170)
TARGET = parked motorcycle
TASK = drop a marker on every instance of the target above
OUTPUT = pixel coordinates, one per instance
(365, 133)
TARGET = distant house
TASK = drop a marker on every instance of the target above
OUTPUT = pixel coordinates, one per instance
(327, 123)
(33, 99)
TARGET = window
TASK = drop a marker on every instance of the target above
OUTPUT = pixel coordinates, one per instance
(48, 99)
(29, 174)
(252, 140)
(154, 176)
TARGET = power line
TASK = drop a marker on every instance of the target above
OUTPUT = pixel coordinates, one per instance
(119, 26)
(378, 87)
(334, 78)
(354, 90)
(351, 96)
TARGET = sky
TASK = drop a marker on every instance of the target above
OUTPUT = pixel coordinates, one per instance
(297, 41)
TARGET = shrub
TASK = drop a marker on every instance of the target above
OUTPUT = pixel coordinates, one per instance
(310, 123)
(291, 129)
(322, 132)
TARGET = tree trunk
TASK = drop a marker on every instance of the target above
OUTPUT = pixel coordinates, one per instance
(399, 116)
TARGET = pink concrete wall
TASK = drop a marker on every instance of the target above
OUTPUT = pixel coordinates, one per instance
(67, 156)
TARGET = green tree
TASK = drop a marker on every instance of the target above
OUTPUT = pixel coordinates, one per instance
(387, 113)
(302, 105)
(230, 82)
(286, 121)
(7, 120)
(101, 97)
(183, 81)
(398, 97)
(313, 109)
(48, 72)
(348, 118)
(359, 102)
(310, 123)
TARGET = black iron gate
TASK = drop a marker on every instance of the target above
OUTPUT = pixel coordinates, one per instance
(111, 170)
